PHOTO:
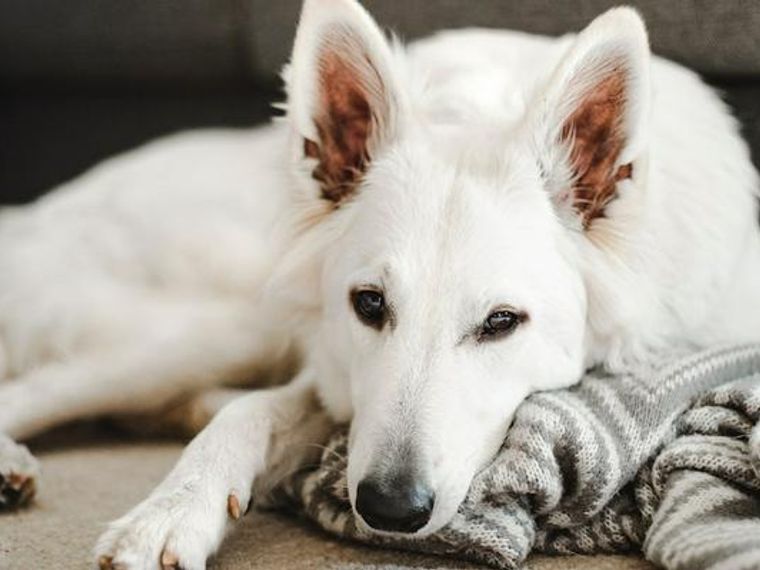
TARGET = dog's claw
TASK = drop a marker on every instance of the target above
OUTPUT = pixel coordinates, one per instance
(233, 507)
(169, 561)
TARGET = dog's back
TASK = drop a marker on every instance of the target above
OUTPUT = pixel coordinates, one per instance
(180, 226)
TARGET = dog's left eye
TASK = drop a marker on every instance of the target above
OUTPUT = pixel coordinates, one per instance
(500, 323)
(369, 305)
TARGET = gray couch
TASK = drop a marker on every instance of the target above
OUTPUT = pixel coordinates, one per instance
(83, 79)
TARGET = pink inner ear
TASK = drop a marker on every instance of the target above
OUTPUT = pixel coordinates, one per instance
(596, 132)
(344, 123)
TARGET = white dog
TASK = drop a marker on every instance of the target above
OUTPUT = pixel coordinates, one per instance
(439, 230)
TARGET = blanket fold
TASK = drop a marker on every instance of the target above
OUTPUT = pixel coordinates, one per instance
(664, 459)
(708, 484)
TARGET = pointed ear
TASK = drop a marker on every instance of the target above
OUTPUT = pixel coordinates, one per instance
(343, 100)
(593, 115)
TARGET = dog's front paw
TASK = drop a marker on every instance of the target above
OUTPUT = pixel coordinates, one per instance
(170, 530)
(19, 473)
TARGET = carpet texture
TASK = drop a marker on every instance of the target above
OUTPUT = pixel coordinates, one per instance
(91, 476)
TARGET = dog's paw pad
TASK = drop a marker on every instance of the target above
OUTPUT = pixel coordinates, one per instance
(19, 472)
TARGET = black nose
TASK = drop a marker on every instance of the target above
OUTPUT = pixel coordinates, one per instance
(399, 505)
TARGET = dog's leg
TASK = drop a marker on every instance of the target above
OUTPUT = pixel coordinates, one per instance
(19, 473)
(183, 521)
(183, 418)
(140, 378)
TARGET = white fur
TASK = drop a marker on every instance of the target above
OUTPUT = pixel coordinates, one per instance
(188, 262)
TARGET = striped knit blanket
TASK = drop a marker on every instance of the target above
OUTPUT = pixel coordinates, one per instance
(665, 461)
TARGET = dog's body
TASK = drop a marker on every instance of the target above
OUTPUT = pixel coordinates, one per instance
(196, 260)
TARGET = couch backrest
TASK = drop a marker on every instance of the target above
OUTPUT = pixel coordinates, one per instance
(233, 40)
(124, 40)
(717, 37)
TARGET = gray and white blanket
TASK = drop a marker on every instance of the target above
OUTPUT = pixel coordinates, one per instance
(665, 460)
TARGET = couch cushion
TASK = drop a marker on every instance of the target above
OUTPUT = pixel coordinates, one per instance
(744, 99)
(48, 138)
(36, 150)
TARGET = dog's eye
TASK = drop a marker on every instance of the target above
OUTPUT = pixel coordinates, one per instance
(369, 305)
(500, 323)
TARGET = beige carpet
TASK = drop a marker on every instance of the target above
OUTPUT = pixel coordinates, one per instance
(91, 477)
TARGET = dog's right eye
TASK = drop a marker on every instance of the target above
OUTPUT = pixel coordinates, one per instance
(369, 305)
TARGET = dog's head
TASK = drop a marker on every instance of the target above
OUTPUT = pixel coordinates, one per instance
(451, 256)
